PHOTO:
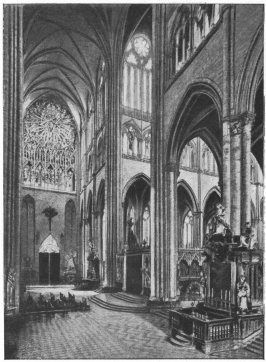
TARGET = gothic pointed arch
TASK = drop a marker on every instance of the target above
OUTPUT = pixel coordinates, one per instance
(198, 114)
(194, 202)
(212, 198)
(138, 176)
(136, 205)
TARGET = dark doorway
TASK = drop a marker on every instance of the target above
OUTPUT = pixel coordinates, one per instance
(44, 268)
(49, 268)
(134, 275)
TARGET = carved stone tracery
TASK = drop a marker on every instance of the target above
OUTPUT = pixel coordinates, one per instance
(49, 147)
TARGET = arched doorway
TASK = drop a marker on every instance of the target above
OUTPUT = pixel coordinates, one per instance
(137, 235)
(49, 261)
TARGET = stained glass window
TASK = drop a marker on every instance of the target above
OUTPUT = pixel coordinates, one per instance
(49, 147)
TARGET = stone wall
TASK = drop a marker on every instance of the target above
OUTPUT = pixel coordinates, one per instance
(37, 228)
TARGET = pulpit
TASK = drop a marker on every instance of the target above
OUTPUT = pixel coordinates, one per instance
(231, 311)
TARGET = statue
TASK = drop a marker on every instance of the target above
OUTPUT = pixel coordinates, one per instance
(202, 282)
(132, 240)
(219, 235)
(249, 240)
(219, 220)
(253, 239)
(243, 294)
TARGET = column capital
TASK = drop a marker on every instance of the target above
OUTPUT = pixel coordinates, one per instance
(171, 167)
(237, 122)
(244, 117)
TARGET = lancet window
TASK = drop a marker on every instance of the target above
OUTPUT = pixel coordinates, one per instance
(188, 230)
(208, 161)
(189, 156)
(49, 148)
(137, 74)
(101, 96)
(194, 25)
(182, 43)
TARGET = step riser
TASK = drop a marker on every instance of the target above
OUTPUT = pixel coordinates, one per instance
(128, 299)
(254, 351)
(117, 308)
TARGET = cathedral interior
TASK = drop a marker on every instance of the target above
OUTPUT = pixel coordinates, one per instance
(134, 174)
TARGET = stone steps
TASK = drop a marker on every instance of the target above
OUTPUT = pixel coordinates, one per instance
(182, 340)
(164, 313)
(119, 308)
(129, 298)
(256, 346)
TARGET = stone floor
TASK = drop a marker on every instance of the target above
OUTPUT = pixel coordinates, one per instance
(102, 334)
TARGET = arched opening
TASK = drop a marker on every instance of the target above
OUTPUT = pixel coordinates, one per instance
(186, 208)
(137, 235)
(198, 116)
(209, 211)
(49, 261)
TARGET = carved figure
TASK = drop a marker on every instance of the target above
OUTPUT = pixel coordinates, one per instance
(243, 293)
(132, 240)
(253, 239)
(202, 285)
(219, 220)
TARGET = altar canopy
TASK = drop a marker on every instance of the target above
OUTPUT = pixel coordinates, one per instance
(49, 245)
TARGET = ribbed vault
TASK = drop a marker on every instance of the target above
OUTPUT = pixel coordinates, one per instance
(63, 48)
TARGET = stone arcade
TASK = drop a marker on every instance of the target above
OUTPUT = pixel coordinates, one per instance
(124, 127)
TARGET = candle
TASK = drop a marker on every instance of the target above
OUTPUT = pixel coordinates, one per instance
(225, 295)
(229, 296)
(212, 293)
(221, 294)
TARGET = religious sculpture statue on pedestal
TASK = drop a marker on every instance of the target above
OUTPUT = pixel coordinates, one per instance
(249, 240)
(202, 285)
(243, 294)
(218, 222)
(132, 240)
(219, 236)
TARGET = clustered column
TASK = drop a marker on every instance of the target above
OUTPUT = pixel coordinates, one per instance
(236, 176)
(240, 172)
(13, 98)
(246, 165)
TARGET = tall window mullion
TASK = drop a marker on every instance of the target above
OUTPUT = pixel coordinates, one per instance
(132, 83)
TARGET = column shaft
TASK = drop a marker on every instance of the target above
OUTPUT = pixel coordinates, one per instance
(173, 234)
(13, 99)
(246, 163)
(226, 170)
(236, 178)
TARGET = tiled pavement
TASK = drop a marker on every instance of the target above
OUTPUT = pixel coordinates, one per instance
(102, 334)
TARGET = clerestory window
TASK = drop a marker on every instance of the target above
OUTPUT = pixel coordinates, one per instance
(137, 74)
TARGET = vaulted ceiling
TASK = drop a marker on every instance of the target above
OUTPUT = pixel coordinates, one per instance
(64, 46)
